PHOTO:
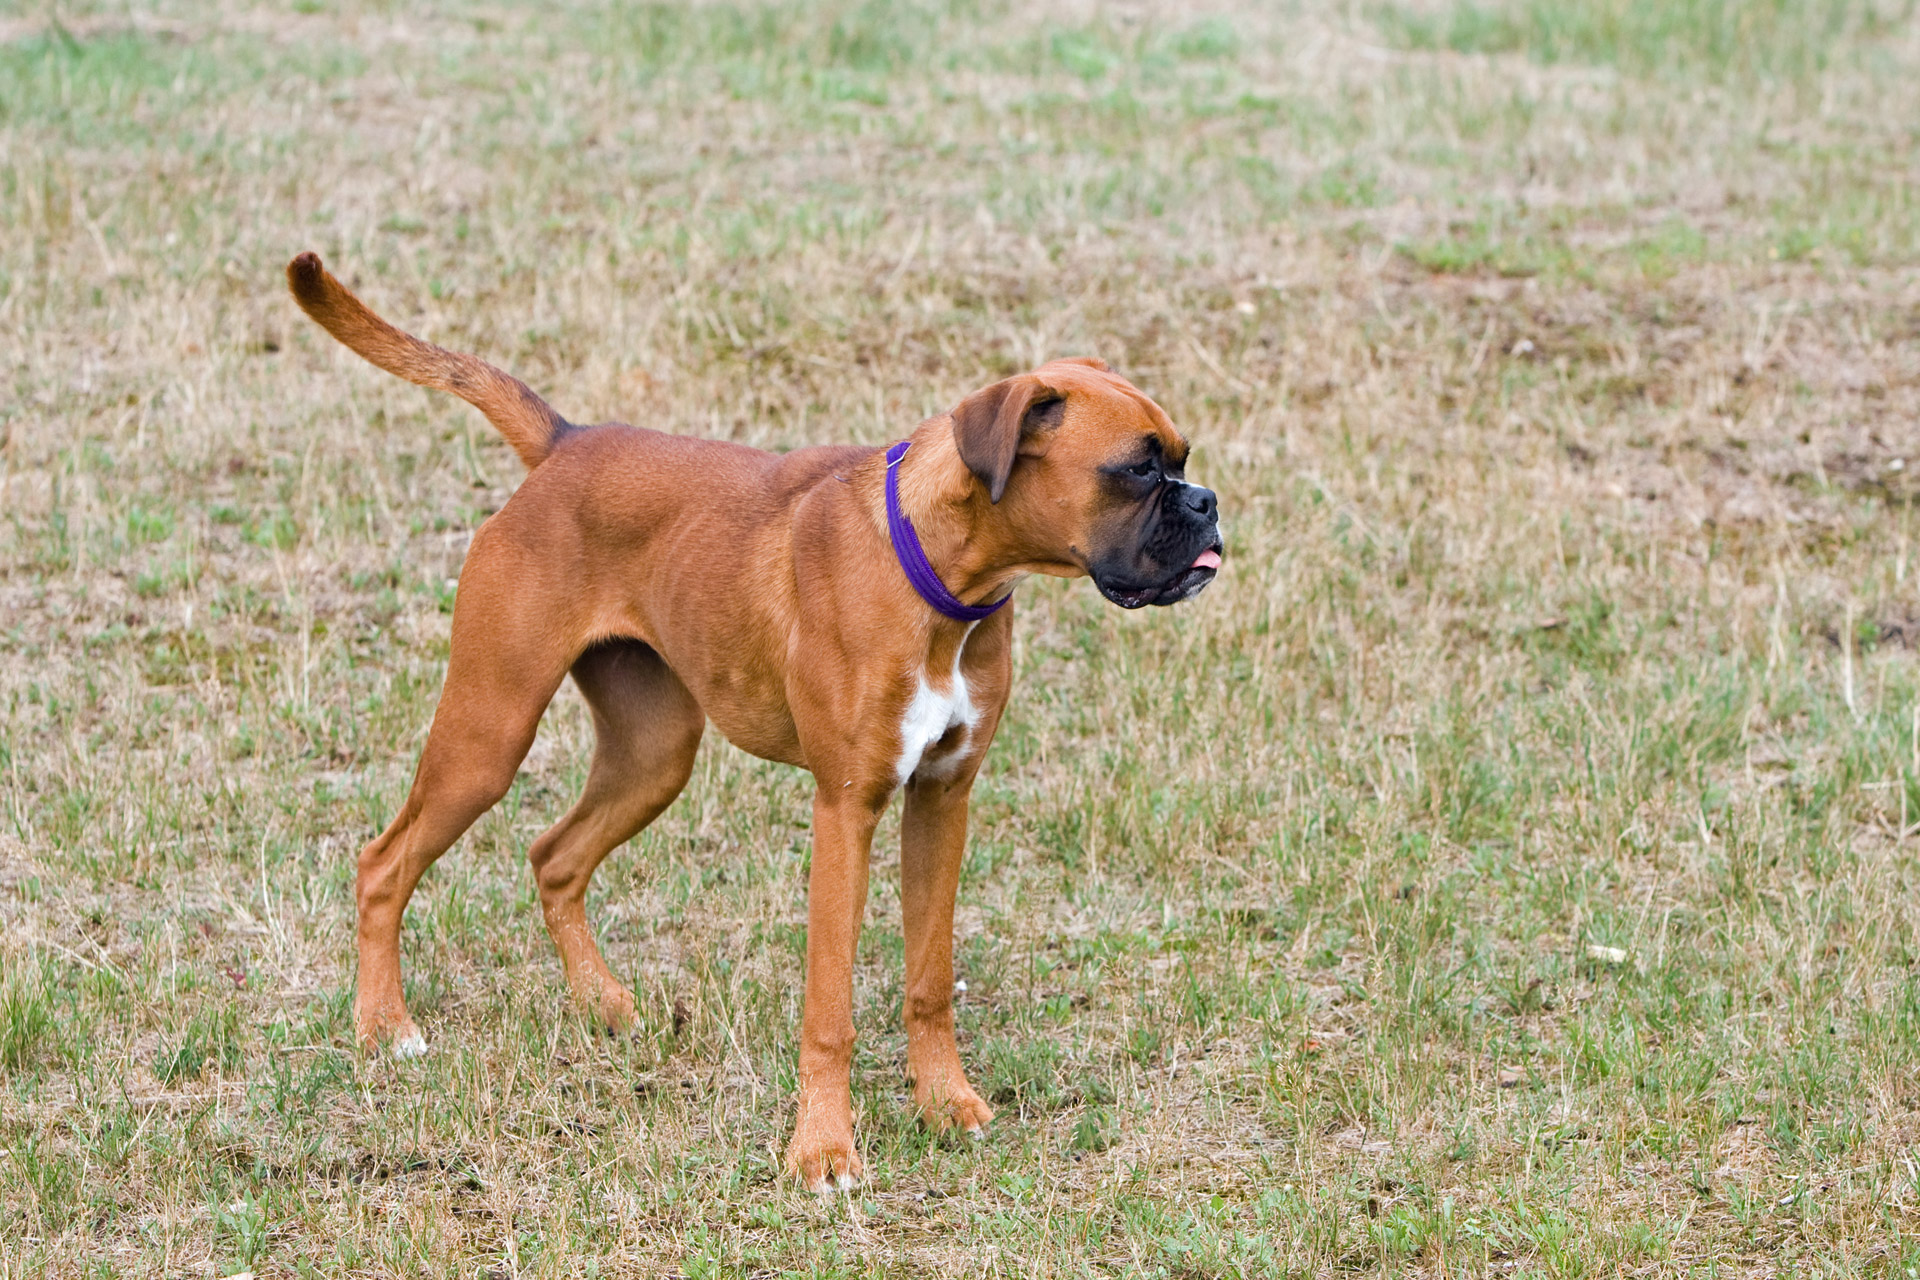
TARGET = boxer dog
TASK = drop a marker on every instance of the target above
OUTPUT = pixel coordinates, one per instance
(840, 609)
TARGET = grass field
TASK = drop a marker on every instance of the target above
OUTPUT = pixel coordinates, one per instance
(1508, 867)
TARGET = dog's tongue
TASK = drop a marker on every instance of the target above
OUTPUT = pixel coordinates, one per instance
(1209, 559)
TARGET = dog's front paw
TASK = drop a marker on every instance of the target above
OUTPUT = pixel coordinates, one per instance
(607, 1003)
(821, 1155)
(951, 1103)
(395, 1032)
(409, 1044)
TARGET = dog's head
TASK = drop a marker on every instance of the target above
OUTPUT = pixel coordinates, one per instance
(1090, 474)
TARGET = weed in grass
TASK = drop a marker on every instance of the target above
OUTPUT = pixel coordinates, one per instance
(209, 1042)
(29, 1033)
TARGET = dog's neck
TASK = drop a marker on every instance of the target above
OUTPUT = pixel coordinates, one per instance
(940, 495)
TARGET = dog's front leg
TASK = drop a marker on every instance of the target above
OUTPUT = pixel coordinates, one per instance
(933, 844)
(822, 1154)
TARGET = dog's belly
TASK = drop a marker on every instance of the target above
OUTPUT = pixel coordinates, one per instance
(769, 737)
(752, 713)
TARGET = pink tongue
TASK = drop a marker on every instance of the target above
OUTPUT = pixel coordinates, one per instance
(1209, 559)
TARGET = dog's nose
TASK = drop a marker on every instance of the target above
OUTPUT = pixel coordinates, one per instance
(1200, 501)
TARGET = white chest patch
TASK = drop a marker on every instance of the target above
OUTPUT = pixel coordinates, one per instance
(929, 717)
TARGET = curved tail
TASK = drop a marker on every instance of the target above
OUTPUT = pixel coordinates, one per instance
(528, 422)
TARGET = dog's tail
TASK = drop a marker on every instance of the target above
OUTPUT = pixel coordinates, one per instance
(528, 422)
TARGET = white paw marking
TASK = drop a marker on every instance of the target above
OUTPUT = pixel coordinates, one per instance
(844, 1181)
(928, 717)
(411, 1045)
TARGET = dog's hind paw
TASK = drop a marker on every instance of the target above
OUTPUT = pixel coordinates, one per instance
(410, 1045)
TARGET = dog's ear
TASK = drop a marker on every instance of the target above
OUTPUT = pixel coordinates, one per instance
(989, 425)
(1092, 362)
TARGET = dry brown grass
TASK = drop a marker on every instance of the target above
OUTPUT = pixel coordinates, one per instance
(1562, 406)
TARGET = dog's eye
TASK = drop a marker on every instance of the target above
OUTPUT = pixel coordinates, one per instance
(1143, 469)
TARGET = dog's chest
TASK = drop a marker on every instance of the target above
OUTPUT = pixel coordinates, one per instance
(935, 726)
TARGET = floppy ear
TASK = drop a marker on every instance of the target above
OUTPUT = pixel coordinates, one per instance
(1092, 362)
(988, 426)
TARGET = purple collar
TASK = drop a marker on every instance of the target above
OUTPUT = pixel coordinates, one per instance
(906, 549)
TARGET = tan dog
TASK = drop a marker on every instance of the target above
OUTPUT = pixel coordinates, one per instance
(681, 580)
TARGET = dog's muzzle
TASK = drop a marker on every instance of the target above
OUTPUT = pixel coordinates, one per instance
(1185, 585)
(1197, 511)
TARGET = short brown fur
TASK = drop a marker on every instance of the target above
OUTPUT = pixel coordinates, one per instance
(680, 580)
(528, 422)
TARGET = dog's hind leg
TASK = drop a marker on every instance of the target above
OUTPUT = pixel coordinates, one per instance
(647, 728)
(502, 674)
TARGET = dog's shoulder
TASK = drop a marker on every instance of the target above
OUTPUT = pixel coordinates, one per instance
(804, 468)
